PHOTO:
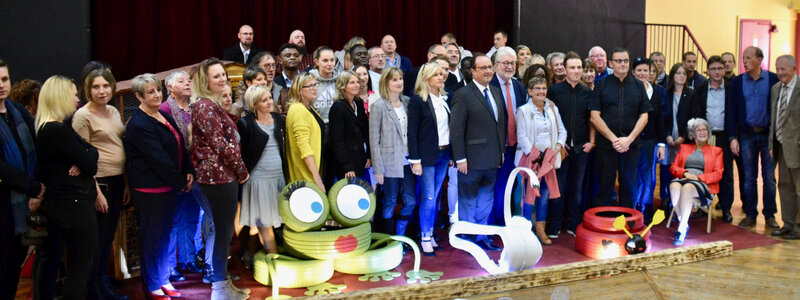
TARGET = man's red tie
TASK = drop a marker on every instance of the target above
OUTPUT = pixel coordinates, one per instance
(512, 122)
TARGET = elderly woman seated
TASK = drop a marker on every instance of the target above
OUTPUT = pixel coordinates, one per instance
(697, 169)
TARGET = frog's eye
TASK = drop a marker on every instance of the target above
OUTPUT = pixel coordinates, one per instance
(303, 206)
(352, 201)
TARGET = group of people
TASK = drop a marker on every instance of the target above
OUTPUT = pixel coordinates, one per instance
(210, 160)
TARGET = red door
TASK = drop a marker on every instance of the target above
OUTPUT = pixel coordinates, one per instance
(754, 33)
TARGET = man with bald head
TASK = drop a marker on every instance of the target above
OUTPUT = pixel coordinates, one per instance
(598, 56)
(394, 59)
(410, 76)
(298, 38)
(747, 122)
(244, 49)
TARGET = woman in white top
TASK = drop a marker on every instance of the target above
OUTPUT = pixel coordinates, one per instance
(539, 125)
(429, 144)
(388, 140)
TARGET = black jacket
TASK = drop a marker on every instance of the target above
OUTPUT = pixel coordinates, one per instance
(152, 153)
(699, 103)
(235, 54)
(475, 134)
(253, 141)
(348, 133)
(573, 104)
(59, 147)
(423, 134)
(655, 124)
(620, 104)
(682, 115)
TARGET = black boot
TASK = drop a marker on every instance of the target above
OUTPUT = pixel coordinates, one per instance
(108, 291)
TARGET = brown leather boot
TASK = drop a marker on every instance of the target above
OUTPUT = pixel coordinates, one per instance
(539, 230)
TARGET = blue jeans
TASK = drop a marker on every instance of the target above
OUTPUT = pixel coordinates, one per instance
(647, 174)
(192, 219)
(452, 191)
(497, 217)
(475, 196)
(540, 206)
(609, 162)
(570, 183)
(430, 185)
(752, 147)
(391, 186)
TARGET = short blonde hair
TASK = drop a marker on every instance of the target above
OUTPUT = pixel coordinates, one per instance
(297, 85)
(253, 95)
(139, 83)
(341, 83)
(421, 87)
(56, 101)
(200, 81)
(387, 75)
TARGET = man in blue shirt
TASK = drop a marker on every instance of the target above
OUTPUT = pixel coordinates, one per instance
(748, 127)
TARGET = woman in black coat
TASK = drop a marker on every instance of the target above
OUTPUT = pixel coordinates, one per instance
(158, 167)
(263, 152)
(19, 189)
(349, 130)
(67, 167)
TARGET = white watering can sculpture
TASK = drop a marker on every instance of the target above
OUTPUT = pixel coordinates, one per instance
(521, 248)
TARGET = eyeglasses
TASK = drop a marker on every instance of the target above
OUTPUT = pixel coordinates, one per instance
(507, 63)
(718, 69)
(311, 86)
(485, 68)
(621, 61)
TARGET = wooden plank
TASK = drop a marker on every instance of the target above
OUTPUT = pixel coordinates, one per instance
(471, 286)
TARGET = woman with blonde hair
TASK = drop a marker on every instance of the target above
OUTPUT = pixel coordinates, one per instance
(304, 128)
(67, 166)
(348, 129)
(524, 56)
(429, 144)
(219, 167)
(158, 167)
(263, 153)
(388, 141)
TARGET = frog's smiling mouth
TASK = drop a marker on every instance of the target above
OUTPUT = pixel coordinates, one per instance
(345, 244)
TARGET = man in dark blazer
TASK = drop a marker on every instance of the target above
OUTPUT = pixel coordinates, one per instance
(514, 95)
(410, 77)
(244, 50)
(747, 124)
(784, 144)
(477, 138)
(709, 104)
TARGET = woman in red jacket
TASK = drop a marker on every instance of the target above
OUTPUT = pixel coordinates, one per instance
(697, 169)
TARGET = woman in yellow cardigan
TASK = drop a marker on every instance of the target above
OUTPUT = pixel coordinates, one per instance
(304, 131)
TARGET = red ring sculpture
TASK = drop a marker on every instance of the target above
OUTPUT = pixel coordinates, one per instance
(595, 222)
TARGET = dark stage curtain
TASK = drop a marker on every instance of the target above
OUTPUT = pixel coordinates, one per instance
(152, 36)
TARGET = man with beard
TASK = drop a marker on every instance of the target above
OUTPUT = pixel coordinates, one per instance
(244, 50)
(377, 61)
(690, 63)
(289, 58)
(299, 38)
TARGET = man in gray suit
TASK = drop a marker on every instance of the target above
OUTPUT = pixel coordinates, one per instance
(784, 144)
(477, 138)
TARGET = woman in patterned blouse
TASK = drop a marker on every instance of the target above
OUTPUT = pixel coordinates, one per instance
(219, 167)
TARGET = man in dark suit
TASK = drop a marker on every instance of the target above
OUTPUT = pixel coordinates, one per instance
(244, 50)
(747, 124)
(477, 137)
(694, 78)
(784, 144)
(410, 77)
(466, 65)
(709, 104)
(514, 95)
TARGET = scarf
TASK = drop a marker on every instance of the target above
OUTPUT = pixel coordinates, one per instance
(182, 119)
(13, 156)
